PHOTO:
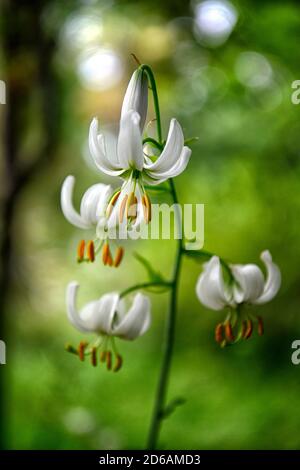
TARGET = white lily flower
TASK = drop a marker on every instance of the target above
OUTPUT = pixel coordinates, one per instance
(246, 285)
(92, 214)
(134, 166)
(131, 162)
(107, 317)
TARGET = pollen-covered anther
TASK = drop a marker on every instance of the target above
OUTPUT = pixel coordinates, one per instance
(108, 360)
(112, 202)
(80, 251)
(122, 208)
(228, 331)
(243, 328)
(81, 349)
(260, 326)
(131, 206)
(146, 208)
(119, 256)
(219, 333)
(94, 357)
(105, 253)
(109, 259)
(118, 363)
(249, 329)
(103, 356)
(90, 250)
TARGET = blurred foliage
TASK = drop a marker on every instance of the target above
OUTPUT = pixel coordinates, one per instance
(244, 168)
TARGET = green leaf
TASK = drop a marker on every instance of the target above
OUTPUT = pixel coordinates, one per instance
(198, 255)
(171, 407)
(154, 276)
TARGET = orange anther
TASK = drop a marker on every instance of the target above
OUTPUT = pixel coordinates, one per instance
(260, 326)
(249, 329)
(108, 360)
(80, 250)
(118, 364)
(219, 333)
(109, 258)
(228, 331)
(94, 357)
(105, 252)
(90, 250)
(81, 348)
(119, 256)
(243, 329)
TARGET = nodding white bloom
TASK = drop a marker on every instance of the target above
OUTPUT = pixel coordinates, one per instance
(245, 285)
(93, 204)
(92, 214)
(131, 162)
(108, 318)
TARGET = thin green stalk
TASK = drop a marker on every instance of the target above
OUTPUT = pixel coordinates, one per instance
(161, 392)
(152, 141)
(160, 401)
(151, 78)
(145, 285)
(207, 254)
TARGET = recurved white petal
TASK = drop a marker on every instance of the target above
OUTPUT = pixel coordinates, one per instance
(67, 207)
(151, 181)
(210, 287)
(176, 169)
(250, 282)
(136, 96)
(94, 202)
(273, 280)
(96, 316)
(72, 312)
(172, 151)
(137, 320)
(96, 144)
(130, 148)
(100, 318)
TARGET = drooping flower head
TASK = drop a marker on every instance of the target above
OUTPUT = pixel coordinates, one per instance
(108, 318)
(129, 205)
(245, 285)
(131, 162)
(92, 215)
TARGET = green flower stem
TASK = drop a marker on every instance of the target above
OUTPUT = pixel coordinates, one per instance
(161, 393)
(152, 141)
(151, 79)
(204, 255)
(160, 401)
(145, 285)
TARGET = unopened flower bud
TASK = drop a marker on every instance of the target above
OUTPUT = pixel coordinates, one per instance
(136, 96)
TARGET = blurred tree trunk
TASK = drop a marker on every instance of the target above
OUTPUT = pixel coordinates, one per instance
(28, 53)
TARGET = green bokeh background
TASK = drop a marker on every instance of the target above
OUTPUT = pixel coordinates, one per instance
(244, 168)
